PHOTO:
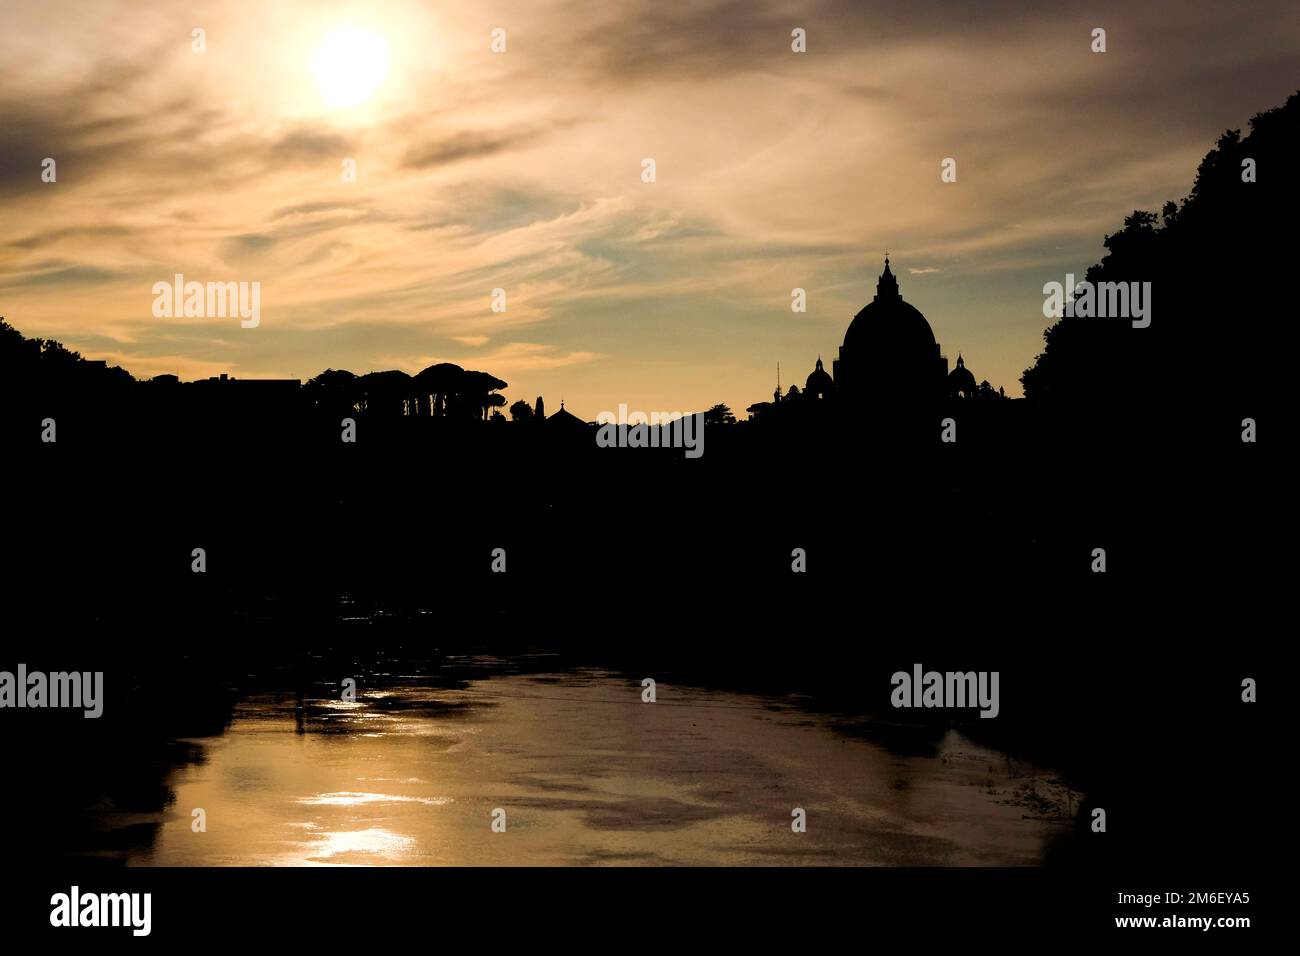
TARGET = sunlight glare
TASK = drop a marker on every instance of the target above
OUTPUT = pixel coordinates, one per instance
(349, 65)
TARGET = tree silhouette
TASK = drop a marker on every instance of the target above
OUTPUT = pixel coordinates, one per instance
(1209, 260)
(334, 391)
(440, 384)
(477, 390)
(719, 415)
(386, 393)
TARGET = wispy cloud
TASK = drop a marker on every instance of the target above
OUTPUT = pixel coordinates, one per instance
(522, 171)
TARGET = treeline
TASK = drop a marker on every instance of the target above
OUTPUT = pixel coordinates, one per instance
(38, 366)
(41, 370)
(439, 391)
(1219, 264)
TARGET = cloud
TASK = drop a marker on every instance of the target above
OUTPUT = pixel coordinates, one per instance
(509, 358)
(468, 144)
(55, 275)
(522, 171)
(307, 146)
(52, 237)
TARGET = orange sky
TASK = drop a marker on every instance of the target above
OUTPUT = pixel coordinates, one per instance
(522, 170)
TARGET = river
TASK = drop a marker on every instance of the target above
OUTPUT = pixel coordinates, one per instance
(576, 769)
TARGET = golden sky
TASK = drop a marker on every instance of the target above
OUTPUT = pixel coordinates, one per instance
(522, 170)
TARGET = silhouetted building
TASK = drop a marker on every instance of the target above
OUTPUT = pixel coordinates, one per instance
(262, 388)
(961, 383)
(566, 426)
(264, 397)
(889, 357)
(565, 418)
(889, 352)
(820, 385)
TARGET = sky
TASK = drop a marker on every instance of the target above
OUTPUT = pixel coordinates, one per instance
(523, 170)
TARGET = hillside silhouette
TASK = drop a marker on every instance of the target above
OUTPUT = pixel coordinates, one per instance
(1219, 262)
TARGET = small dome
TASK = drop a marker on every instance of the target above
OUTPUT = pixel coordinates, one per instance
(819, 383)
(961, 380)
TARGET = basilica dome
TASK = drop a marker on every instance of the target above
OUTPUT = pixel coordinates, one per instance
(888, 326)
(889, 351)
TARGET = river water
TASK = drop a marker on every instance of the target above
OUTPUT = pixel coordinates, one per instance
(581, 771)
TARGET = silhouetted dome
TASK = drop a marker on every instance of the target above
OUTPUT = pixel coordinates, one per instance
(888, 328)
(819, 382)
(961, 380)
(566, 419)
(889, 355)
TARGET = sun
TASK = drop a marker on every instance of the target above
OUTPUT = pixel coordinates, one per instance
(349, 65)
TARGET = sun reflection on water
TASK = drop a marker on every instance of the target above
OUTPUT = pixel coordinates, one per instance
(351, 798)
(585, 782)
(369, 843)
